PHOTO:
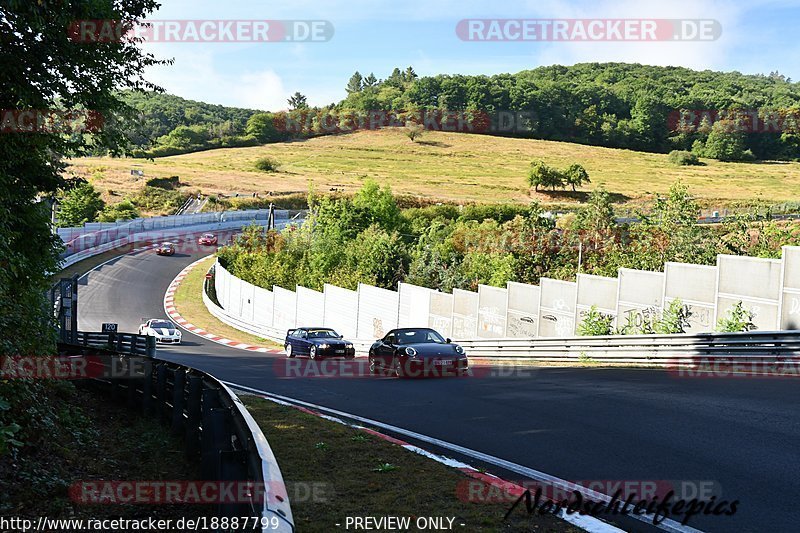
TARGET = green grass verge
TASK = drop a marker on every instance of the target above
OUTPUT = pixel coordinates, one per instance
(360, 475)
(189, 303)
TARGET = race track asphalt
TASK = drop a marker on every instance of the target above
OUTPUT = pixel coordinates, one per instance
(579, 424)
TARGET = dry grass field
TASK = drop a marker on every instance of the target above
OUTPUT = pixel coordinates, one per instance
(448, 167)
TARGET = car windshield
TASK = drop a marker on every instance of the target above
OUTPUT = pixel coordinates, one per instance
(208, 236)
(322, 334)
(161, 324)
(418, 336)
(166, 244)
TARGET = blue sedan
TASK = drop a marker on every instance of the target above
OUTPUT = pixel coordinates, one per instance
(316, 343)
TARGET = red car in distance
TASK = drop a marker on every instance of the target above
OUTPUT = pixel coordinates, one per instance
(165, 248)
(208, 239)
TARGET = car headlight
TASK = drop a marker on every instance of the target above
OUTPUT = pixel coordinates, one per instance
(411, 352)
(324, 346)
(348, 346)
(459, 349)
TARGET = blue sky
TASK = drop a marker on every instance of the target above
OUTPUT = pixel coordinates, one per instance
(758, 36)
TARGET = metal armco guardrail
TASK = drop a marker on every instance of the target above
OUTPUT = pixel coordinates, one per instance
(126, 343)
(216, 425)
(657, 350)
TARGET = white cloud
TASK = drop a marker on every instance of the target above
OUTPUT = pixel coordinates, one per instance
(195, 76)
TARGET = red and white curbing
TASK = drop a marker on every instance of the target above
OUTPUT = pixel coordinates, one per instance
(175, 316)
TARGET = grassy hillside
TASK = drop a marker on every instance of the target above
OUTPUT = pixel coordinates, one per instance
(450, 167)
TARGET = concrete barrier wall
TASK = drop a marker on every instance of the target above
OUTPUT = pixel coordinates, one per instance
(220, 279)
(465, 314)
(696, 287)
(248, 297)
(597, 291)
(768, 287)
(341, 310)
(557, 308)
(234, 295)
(640, 298)
(522, 315)
(790, 295)
(441, 313)
(755, 282)
(263, 307)
(415, 305)
(310, 307)
(285, 311)
(492, 309)
(377, 311)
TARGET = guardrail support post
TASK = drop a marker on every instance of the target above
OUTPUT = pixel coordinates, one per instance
(233, 468)
(161, 390)
(178, 389)
(209, 452)
(132, 381)
(193, 409)
(147, 387)
(151, 346)
(217, 421)
(113, 380)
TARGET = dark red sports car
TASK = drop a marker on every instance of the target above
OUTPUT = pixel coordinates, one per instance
(207, 239)
(165, 248)
(417, 352)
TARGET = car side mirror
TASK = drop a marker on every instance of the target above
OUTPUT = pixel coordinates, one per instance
(448, 341)
(341, 336)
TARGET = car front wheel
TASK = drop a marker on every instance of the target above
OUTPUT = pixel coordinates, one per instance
(289, 351)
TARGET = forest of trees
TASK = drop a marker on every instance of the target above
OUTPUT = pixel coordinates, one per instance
(639, 107)
(164, 124)
(613, 104)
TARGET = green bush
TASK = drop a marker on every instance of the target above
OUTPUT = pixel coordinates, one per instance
(79, 205)
(683, 158)
(125, 210)
(737, 319)
(674, 319)
(155, 200)
(595, 323)
(266, 164)
(170, 183)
